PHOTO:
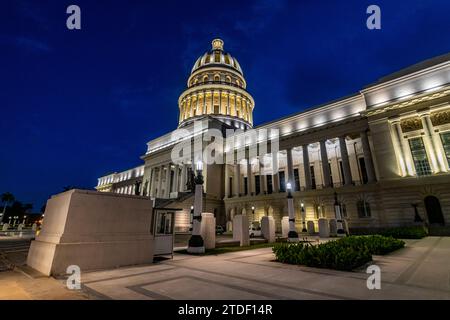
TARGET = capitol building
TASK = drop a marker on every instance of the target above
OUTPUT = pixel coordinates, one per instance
(385, 152)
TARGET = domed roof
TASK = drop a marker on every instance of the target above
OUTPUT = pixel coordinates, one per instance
(217, 57)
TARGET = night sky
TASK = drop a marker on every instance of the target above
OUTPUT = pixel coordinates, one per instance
(76, 105)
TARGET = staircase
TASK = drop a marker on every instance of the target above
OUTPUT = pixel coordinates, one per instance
(164, 203)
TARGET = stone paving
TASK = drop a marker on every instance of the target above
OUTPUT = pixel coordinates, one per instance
(419, 271)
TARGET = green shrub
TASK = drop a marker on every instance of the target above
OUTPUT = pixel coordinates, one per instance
(344, 254)
(413, 232)
(405, 232)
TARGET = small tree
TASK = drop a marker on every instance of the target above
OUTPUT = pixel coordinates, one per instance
(7, 197)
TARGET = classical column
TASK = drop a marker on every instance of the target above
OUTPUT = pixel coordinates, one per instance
(401, 148)
(228, 103)
(262, 185)
(306, 169)
(152, 182)
(275, 173)
(183, 178)
(175, 178)
(159, 191)
(237, 179)
(227, 181)
(368, 157)
(167, 189)
(345, 161)
(432, 143)
(290, 168)
(325, 164)
(249, 176)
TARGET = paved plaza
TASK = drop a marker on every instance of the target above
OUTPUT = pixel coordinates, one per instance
(419, 271)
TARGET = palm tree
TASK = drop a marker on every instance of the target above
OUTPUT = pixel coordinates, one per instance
(7, 197)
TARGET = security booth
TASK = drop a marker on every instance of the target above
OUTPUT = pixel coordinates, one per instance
(163, 229)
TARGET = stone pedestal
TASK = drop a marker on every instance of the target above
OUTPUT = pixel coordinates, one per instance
(93, 230)
(285, 227)
(268, 228)
(310, 227)
(20, 227)
(5, 227)
(333, 227)
(229, 226)
(208, 230)
(240, 230)
(324, 228)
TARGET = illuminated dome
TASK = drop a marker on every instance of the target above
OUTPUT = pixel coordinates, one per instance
(217, 56)
(216, 87)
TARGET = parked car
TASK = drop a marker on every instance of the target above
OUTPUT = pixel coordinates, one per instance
(254, 231)
(219, 230)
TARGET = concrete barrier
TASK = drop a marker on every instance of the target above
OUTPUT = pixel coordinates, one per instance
(324, 228)
(240, 230)
(208, 230)
(311, 228)
(333, 227)
(268, 228)
(93, 230)
(284, 226)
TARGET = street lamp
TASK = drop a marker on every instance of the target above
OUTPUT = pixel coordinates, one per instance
(292, 234)
(196, 244)
(337, 210)
(253, 213)
(302, 205)
(24, 219)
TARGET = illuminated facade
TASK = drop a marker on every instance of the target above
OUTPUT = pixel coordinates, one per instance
(385, 150)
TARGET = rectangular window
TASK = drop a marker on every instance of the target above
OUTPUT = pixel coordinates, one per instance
(230, 186)
(362, 167)
(420, 157)
(245, 186)
(297, 179)
(282, 182)
(363, 209)
(257, 185)
(313, 177)
(331, 173)
(445, 137)
(269, 184)
(341, 170)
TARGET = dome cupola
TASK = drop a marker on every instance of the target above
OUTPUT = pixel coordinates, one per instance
(216, 87)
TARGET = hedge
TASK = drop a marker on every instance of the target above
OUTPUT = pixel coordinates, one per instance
(413, 232)
(343, 254)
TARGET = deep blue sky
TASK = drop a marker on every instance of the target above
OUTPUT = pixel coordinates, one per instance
(78, 104)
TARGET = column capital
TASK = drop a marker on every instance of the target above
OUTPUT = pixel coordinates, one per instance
(394, 119)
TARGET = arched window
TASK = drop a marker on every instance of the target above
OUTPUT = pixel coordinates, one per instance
(228, 79)
(238, 82)
(216, 77)
(205, 78)
(363, 208)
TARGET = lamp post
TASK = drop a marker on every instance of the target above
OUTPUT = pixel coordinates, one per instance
(253, 213)
(292, 234)
(337, 210)
(24, 219)
(9, 222)
(196, 244)
(302, 205)
(15, 220)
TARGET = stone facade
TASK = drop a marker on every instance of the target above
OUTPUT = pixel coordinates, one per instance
(384, 150)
